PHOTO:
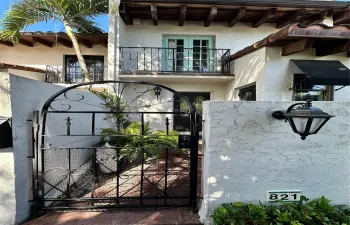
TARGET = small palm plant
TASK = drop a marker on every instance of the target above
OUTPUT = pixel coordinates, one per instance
(76, 16)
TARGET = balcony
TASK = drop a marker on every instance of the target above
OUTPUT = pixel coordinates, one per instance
(189, 61)
(73, 74)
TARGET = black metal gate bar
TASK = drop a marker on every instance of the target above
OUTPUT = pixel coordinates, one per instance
(194, 163)
(90, 177)
(142, 157)
(33, 157)
(118, 176)
(166, 163)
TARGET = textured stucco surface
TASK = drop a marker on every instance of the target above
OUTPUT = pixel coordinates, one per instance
(5, 105)
(7, 187)
(249, 69)
(247, 153)
(28, 74)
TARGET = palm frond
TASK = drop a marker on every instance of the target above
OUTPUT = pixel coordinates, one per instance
(85, 25)
(87, 8)
(78, 13)
(23, 14)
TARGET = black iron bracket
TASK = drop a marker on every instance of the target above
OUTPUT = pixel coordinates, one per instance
(280, 115)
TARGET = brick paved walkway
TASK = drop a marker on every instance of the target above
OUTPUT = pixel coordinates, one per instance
(140, 217)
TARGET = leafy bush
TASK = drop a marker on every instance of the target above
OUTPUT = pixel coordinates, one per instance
(318, 211)
(115, 104)
(127, 134)
(131, 141)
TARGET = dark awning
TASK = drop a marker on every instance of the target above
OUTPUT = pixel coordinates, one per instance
(324, 72)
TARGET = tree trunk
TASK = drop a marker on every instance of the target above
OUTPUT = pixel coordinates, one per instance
(77, 49)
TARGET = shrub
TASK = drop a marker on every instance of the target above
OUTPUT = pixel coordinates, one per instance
(127, 134)
(318, 211)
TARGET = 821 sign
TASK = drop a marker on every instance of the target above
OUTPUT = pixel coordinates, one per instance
(288, 196)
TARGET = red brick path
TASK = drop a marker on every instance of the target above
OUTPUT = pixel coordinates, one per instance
(151, 217)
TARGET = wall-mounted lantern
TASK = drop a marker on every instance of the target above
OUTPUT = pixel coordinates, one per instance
(305, 119)
(157, 91)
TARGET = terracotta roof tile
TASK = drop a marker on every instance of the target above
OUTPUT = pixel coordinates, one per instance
(19, 67)
(295, 32)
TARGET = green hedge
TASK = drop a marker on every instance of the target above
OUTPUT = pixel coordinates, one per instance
(305, 212)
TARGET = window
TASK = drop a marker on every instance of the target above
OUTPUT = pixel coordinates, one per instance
(247, 93)
(303, 90)
(95, 65)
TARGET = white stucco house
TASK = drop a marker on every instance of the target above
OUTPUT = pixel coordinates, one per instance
(188, 47)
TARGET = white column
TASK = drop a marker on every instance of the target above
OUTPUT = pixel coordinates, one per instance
(113, 40)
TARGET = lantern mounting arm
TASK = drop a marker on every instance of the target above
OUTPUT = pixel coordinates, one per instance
(280, 115)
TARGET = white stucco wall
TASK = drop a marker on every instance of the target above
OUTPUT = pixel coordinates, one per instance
(248, 69)
(247, 153)
(217, 90)
(7, 187)
(143, 95)
(39, 56)
(28, 74)
(5, 102)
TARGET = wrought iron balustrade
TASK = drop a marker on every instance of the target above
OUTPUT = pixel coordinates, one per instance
(174, 60)
(74, 74)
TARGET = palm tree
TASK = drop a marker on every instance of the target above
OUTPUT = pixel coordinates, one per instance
(76, 16)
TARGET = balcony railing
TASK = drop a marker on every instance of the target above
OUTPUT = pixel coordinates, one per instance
(144, 60)
(73, 74)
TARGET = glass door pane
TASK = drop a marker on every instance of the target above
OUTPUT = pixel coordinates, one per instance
(182, 121)
(175, 56)
(201, 54)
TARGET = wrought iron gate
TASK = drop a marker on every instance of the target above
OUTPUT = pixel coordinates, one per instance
(110, 144)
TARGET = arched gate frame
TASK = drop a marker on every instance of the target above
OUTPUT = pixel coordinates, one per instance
(112, 144)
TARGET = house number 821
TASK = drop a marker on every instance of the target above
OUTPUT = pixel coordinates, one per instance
(273, 196)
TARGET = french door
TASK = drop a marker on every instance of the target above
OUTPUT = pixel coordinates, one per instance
(188, 54)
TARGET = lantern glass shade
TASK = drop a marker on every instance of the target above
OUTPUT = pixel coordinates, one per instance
(316, 123)
(300, 124)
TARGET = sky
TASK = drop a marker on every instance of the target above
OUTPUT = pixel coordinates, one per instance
(51, 25)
